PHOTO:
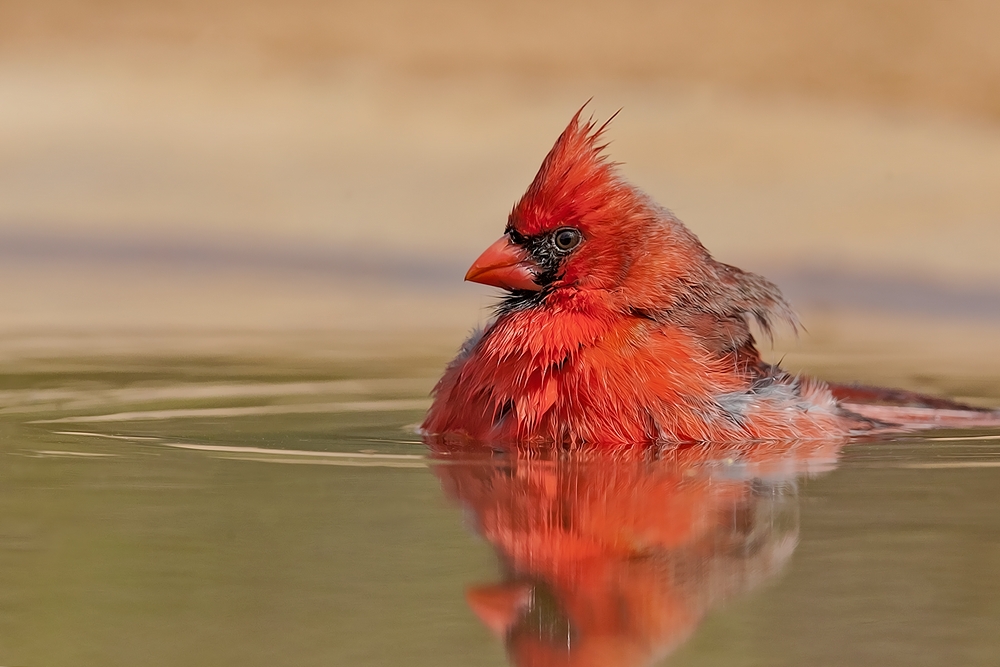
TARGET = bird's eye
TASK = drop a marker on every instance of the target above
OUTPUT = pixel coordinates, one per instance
(567, 238)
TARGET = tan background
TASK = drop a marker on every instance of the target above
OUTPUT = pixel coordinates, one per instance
(253, 166)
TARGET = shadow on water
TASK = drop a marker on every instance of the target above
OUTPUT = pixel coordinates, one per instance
(615, 558)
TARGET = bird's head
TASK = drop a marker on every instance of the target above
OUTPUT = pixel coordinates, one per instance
(580, 226)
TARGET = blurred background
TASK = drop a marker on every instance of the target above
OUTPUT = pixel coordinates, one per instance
(199, 173)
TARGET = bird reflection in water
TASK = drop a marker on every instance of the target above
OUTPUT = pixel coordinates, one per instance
(613, 558)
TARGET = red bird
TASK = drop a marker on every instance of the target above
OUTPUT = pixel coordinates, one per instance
(620, 328)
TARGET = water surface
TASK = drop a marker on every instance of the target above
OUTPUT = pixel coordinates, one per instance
(174, 510)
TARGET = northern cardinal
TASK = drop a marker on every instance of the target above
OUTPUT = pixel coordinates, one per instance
(620, 328)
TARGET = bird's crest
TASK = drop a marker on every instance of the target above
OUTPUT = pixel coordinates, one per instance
(576, 182)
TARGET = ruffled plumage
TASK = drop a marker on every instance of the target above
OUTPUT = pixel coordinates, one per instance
(638, 336)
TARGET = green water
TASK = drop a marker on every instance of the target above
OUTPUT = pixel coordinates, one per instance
(175, 511)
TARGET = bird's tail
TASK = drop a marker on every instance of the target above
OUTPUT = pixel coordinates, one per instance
(900, 410)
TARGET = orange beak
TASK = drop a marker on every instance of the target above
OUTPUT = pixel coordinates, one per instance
(506, 266)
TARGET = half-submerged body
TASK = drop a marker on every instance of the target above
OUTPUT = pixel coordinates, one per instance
(620, 328)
